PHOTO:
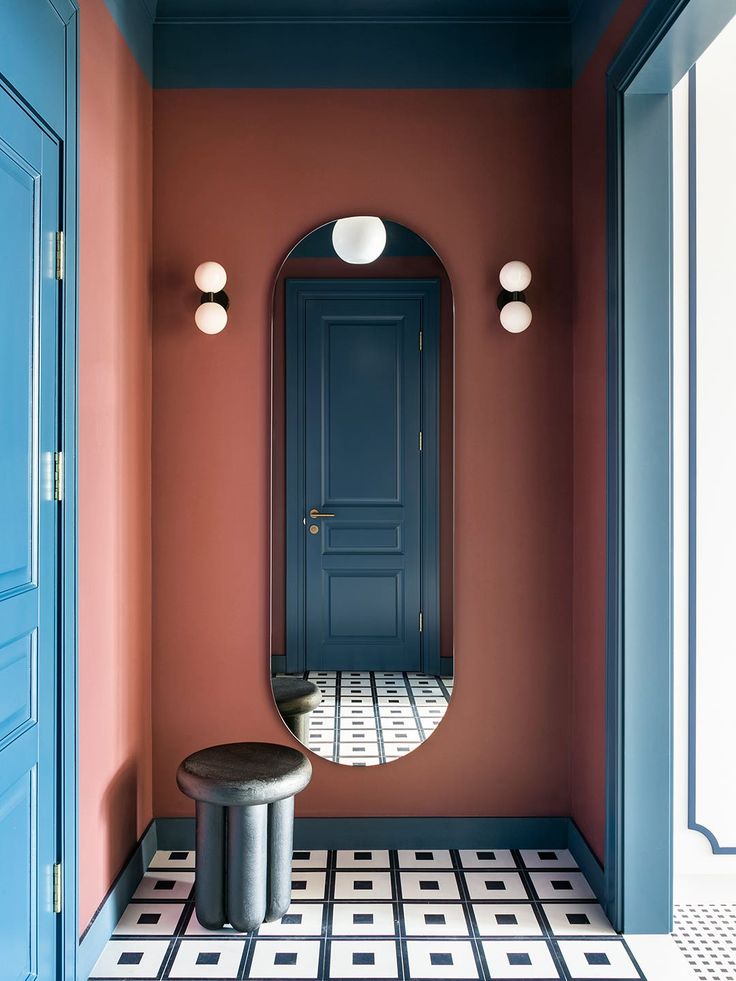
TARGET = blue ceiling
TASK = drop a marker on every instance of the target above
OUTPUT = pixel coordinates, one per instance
(261, 10)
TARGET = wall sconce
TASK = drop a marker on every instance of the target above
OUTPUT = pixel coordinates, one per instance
(211, 315)
(516, 315)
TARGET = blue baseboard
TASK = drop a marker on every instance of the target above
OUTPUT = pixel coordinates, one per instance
(111, 909)
(175, 834)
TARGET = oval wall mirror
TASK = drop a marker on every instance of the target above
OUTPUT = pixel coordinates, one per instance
(362, 491)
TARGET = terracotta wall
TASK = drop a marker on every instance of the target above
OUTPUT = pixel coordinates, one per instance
(239, 176)
(114, 455)
(590, 274)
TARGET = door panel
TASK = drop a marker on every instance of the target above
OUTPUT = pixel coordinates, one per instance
(360, 368)
(29, 205)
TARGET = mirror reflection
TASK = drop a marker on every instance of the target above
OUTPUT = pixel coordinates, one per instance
(361, 646)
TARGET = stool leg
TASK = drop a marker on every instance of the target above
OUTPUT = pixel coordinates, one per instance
(247, 847)
(280, 844)
(210, 865)
(300, 727)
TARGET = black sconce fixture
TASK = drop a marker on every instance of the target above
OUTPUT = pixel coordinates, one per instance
(516, 315)
(211, 314)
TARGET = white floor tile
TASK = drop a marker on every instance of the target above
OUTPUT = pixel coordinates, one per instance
(366, 859)
(307, 885)
(441, 959)
(363, 919)
(520, 959)
(506, 920)
(561, 885)
(427, 859)
(577, 920)
(551, 858)
(285, 959)
(131, 959)
(149, 920)
(489, 858)
(495, 886)
(165, 885)
(300, 920)
(207, 959)
(429, 886)
(435, 920)
(363, 885)
(597, 959)
(363, 959)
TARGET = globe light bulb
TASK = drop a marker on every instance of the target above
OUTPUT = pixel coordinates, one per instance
(359, 240)
(211, 318)
(210, 277)
(516, 316)
(515, 276)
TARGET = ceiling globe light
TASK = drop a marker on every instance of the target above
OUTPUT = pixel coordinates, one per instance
(359, 240)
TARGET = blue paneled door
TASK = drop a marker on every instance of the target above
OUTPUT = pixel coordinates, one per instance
(29, 317)
(355, 352)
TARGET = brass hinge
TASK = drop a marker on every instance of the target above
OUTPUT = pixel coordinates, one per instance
(421, 339)
(60, 255)
(57, 888)
(420, 441)
(58, 476)
(421, 621)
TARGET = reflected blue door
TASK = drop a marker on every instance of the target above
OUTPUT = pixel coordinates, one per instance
(359, 363)
(29, 298)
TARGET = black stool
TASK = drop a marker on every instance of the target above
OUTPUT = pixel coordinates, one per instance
(295, 698)
(245, 829)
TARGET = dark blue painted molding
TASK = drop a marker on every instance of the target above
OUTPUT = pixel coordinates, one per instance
(692, 820)
(134, 19)
(422, 54)
(119, 895)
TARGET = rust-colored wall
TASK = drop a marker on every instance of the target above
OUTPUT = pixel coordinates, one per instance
(484, 176)
(590, 298)
(114, 455)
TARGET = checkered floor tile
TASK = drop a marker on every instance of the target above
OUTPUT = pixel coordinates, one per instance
(370, 717)
(472, 915)
(706, 935)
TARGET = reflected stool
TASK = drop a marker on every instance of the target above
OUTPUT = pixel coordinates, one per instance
(295, 698)
(244, 795)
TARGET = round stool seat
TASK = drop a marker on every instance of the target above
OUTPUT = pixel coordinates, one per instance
(243, 774)
(295, 696)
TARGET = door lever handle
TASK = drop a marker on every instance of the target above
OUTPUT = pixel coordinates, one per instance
(314, 513)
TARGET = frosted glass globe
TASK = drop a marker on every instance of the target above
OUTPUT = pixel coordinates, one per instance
(359, 240)
(516, 316)
(211, 318)
(210, 277)
(515, 276)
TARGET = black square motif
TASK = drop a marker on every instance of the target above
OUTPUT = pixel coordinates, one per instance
(428, 884)
(495, 885)
(210, 957)
(130, 958)
(363, 957)
(597, 959)
(363, 919)
(285, 959)
(293, 919)
(424, 856)
(299, 884)
(440, 960)
(165, 884)
(547, 856)
(506, 919)
(302, 856)
(560, 884)
(486, 856)
(149, 919)
(178, 856)
(517, 960)
(577, 919)
(435, 919)
(363, 884)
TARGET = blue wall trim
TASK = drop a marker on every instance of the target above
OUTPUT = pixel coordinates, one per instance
(111, 909)
(590, 23)
(134, 19)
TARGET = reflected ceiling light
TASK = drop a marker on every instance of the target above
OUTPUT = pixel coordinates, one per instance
(211, 314)
(516, 315)
(359, 240)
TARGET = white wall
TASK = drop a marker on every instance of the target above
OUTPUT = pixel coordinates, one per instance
(701, 875)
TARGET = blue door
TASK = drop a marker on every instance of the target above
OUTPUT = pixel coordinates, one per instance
(355, 353)
(29, 312)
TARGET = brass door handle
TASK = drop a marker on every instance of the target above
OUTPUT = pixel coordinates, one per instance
(314, 513)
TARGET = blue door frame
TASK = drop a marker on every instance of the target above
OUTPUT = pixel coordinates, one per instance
(298, 294)
(39, 64)
(667, 40)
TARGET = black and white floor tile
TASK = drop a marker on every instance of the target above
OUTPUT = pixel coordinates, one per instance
(706, 935)
(371, 717)
(471, 915)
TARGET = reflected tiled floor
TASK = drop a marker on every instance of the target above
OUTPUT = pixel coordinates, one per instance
(370, 717)
(444, 914)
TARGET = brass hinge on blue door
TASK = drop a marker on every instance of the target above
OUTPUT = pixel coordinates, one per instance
(58, 476)
(421, 621)
(57, 888)
(60, 255)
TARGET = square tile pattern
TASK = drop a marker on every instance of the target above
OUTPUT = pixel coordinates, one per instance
(473, 915)
(706, 935)
(371, 717)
